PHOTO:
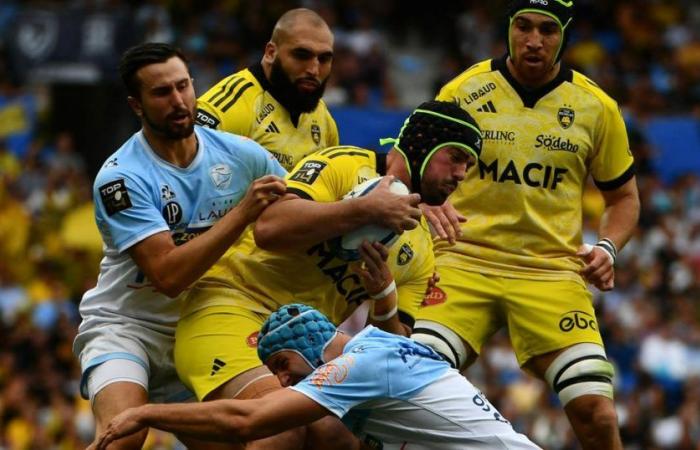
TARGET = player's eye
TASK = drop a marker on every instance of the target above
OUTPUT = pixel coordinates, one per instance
(302, 54)
(325, 58)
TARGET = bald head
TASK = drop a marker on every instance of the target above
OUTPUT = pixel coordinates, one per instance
(293, 20)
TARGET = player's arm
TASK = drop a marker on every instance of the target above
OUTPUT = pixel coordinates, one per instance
(171, 269)
(220, 420)
(617, 224)
(295, 223)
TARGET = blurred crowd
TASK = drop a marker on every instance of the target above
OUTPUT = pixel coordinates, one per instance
(646, 54)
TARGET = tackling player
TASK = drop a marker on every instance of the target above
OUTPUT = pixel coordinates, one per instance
(391, 391)
(277, 102)
(215, 342)
(168, 203)
(520, 261)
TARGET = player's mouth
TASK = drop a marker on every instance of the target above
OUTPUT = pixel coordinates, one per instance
(180, 117)
(308, 84)
(532, 60)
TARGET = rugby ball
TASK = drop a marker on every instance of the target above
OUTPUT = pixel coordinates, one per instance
(347, 246)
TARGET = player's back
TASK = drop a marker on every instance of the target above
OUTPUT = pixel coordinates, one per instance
(138, 194)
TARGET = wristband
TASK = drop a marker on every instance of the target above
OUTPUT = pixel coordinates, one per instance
(384, 317)
(610, 249)
(386, 291)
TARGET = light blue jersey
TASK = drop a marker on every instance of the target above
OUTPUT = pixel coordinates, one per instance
(396, 393)
(137, 194)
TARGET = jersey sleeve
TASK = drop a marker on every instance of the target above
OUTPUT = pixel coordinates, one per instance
(315, 178)
(612, 166)
(412, 279)
(125, 211)
(262, 161)
(223, 108)
(347, 381)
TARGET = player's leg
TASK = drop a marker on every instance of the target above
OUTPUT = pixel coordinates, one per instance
(109, 396)
(458, 315)
(216, 355)
(583, 371)
(555, 335)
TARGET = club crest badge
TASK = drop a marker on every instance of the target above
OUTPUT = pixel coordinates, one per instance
(566, 117)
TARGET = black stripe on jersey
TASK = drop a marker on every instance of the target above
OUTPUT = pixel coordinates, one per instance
(351, 153)
(428, 331)
(224, 88)
(336, 148)
(617, 182)
(229, 91)
(299, 192)
(531, 97)
(237, 96)
(406, 318)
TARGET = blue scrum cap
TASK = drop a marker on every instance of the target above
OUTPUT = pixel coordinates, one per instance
(298, 328)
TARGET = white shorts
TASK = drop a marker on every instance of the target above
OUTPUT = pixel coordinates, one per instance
(150, 356)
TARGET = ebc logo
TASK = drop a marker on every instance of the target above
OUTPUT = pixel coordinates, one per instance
(435, 296)
(577, 319)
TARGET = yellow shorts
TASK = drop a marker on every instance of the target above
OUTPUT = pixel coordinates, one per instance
(216, 344)
(541, 316)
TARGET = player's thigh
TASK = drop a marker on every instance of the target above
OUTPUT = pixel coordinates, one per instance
(468, 303)
(547, 316)
(215, 345)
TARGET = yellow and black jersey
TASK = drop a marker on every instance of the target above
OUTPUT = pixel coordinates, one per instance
(242, 104)
(523, 201)
(266, 280)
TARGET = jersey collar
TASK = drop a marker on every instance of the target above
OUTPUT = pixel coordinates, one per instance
(530, 97)
(168, 165)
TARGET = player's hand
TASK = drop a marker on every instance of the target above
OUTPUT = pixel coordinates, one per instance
(445, 221)
(124, 424)
(396, 212)
(261, 193)
(374, 271)
(598, 270)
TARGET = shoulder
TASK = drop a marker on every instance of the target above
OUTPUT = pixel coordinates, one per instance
(241, 85)
(478, 69)
(231, 144)
(129, 161)
(592, 89)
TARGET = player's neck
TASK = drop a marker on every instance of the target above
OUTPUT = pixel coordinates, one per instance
(336, 346)
(529, 83)
(178, 152)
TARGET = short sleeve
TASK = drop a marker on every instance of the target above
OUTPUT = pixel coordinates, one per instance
(347, 381)
(125, 210)
(612, 166)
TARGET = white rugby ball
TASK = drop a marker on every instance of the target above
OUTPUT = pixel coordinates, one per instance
(346, 246)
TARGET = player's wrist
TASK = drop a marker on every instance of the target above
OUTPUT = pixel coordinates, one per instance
(608, 246)
(384, 293)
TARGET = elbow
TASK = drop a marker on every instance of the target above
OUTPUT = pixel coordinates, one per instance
(168, 286)
(266, 238)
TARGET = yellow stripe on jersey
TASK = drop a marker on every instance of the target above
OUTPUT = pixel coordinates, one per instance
(523, 199)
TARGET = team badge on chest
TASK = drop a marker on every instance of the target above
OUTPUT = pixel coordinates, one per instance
(566, 117)
(220, 175)
(316, 133)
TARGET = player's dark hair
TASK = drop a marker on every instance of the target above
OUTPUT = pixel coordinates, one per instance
(143, 55)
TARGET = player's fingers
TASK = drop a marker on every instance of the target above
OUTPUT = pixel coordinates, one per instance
(410, 224)
(382, 250)
(413, 199)
(371, 258)
(435, 224)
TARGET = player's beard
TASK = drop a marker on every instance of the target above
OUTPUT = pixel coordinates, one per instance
(435, 194)
(289, 95)
(168, 129)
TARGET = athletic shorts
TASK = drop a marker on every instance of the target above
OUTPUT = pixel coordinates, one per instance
(152, 350)
(541, 316)
(215, 344)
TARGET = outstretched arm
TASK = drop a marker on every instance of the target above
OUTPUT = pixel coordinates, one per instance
(221, 420)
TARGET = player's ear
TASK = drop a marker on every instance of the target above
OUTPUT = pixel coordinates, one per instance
(270, 52)
(135, 105)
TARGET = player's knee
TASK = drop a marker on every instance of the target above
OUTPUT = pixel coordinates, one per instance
(582, 370)
(444, 341)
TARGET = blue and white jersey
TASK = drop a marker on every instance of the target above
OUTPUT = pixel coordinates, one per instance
(396, 393)
(138, 194)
